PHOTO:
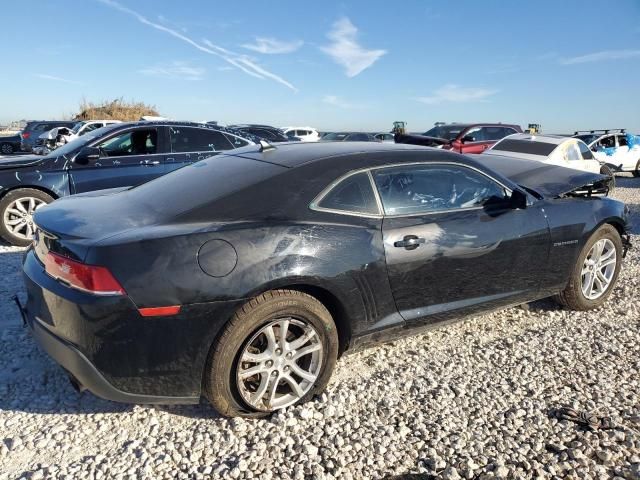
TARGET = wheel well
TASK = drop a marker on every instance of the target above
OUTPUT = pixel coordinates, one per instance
(32, 187)
(335, 307)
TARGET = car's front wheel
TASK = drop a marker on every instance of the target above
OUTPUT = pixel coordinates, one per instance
(6, 148)
(16, 214)
(595, 272)
(278, 350)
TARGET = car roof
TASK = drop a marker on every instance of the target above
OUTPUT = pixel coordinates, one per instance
(479, 124)
(296, 154)
(177, 123)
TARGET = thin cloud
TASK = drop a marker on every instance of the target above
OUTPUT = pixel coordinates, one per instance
(271, 46)
(45, 76)
(601, 56)
(179, 70)
(336, 101)
(239, 61)
(456, 94)
(346, 51)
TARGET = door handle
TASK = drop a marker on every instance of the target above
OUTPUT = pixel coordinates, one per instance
(150, 162)
(409, 242)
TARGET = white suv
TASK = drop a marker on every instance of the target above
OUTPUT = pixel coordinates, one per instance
(618, 149)
(305, 134)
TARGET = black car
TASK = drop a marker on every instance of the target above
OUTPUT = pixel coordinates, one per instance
(9, 144)
(30, 135)
(348, 137)
(265, 132)
(118, 155)
(243, 277)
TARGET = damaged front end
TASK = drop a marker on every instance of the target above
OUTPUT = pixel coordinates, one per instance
(600, 188)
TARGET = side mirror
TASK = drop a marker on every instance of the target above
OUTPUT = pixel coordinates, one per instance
(518, 200)
(87, 155)
(468, 138)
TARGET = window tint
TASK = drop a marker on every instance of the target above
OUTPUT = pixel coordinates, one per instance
(524, 146)
(431, 188)
(353, 194)
(607, 142)
(585, 151)
(622, 141)
(135, 142)
(475, 135)
(496, 133)
(236, 142)
(302, 133)
(188, 139)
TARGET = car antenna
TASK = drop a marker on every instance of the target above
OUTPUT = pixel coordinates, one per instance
(264, 145)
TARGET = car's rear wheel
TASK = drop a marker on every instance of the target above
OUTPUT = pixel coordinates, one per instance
(6, 148)
(16, 214)
(636, 172)
(278, 350)
(595, 272)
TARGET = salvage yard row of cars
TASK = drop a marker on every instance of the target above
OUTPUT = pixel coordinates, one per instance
(222, 265)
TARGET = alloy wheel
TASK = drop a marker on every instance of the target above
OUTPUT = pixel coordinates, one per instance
(6, 148)
(598, 269)
(18, 216)
(279, 364)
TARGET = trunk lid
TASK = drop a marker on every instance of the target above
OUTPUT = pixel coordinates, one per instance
(551, 181)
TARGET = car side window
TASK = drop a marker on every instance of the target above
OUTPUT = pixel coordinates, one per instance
(133, 142)
(476, 134)
(406, 190)
(572, 153)
(607, 142)
(622, 140)
(190, 139)
(495, 133)
(353, 194)
(585, 151)
(237, 142)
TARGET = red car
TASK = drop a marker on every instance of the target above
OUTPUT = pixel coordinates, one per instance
(462, 137)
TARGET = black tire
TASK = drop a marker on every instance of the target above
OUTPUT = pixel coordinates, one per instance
(572, 296)
(6, 148)
(636, 172)
(606, 170)
(7, 201)
(220, 384)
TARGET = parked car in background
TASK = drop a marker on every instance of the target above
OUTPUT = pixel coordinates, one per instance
(305, 134)
(553, 149)
(33, 129)
(615, 147)
(278, 260)
(461, 137)
(9, 144)
(118, 155)
(349, 137)
(266, 132)
(385, 137)
(83, 127)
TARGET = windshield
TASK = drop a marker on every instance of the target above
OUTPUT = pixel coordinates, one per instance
(448, 132)
(76, 128)
(588, 139)
(335, 136)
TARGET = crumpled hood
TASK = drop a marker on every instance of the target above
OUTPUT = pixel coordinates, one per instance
(17, 161)
(551, 181)
(421, 140)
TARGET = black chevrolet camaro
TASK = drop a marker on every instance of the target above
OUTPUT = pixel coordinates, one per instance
(244, 276)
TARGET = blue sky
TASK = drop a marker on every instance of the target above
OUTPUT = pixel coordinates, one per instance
(334, 65)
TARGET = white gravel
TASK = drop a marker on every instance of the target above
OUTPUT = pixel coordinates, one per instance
(472, 400)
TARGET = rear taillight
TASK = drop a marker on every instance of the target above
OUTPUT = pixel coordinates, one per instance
(25, 135)
(88, 278)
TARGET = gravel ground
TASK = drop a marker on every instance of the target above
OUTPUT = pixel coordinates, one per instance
(472, 400)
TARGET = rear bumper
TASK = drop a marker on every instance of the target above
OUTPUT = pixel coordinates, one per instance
(112, 350)
(85, 373)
